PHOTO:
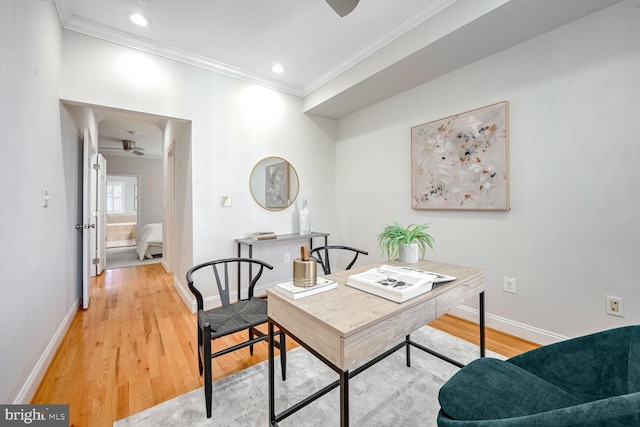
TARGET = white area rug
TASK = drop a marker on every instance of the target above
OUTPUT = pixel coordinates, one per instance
(127, 257)
(387, 394)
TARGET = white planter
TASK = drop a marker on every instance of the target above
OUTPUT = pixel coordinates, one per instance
(409, 254)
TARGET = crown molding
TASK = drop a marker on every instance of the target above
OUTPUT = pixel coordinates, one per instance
(91, 28)
(413, 19)
(94, 29)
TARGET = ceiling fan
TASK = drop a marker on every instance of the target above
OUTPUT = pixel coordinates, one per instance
(343, 7)
(129, 146)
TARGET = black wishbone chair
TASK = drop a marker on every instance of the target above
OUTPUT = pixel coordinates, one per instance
(322, 255)
(231, 317)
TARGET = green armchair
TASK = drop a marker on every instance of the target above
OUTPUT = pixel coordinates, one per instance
(592, 380)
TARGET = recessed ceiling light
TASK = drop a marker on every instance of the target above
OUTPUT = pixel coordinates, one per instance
(277, 68)
(139, 19)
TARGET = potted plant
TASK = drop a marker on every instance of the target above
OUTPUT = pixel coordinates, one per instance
(404, 243)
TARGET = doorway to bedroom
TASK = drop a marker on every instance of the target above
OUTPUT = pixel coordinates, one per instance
(122, 210)
(121, 202)
(146, 145)
(124, 202)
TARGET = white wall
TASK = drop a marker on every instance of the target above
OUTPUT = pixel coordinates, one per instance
(571, 236)
(150, 201)
(569, 239)
(234, 125)
(39, 247)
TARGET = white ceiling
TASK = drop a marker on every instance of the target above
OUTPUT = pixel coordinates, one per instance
(115, 126)
(244, 38)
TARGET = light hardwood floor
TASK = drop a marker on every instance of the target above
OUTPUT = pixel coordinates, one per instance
(136, 347)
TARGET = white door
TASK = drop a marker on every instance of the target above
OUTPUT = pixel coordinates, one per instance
(88, 225)
(100, 214)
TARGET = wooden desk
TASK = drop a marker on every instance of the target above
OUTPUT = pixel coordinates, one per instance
(345, 326)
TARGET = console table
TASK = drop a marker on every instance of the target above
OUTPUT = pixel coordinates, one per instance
(250, 243)
(344, 327)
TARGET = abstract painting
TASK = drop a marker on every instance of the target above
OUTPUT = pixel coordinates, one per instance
(461, 162)
(277, 185)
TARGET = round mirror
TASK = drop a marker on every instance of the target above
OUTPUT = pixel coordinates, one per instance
(274, 183)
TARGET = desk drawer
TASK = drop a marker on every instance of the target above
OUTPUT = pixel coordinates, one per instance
(456, 296)
(386, 333)
(322, 339)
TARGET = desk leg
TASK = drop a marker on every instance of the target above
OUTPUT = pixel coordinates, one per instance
(344, 399)
(239, 269)
(482, 330)
(407, 344)
(250, 269)
(272, 397)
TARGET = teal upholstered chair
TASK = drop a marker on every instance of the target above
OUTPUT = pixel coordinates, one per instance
(587, 381)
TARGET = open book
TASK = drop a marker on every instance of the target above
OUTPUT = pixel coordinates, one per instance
(440, 278)
(396, 283)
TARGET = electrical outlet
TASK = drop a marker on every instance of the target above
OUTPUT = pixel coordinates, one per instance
(287, 257)
(614, 306)
(509, 285)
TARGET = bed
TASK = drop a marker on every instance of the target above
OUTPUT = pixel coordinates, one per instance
(149, 241)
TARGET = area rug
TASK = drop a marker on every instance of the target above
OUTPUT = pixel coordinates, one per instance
(387, 394)
(127, 257)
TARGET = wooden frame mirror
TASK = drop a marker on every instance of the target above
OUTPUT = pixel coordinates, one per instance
(274, 183)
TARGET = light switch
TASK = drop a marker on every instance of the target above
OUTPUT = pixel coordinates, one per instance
(225, 201)
(45, 198)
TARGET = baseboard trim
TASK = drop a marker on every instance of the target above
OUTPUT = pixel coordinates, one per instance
(165, 265)
(520, 330)
(185, 294)
(30, 386)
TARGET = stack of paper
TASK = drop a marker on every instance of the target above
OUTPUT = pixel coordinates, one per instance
(295, 292)
(264, 235)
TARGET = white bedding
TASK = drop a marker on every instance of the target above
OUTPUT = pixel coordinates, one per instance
(148, 235)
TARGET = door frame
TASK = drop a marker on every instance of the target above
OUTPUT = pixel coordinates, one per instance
(89, 151)
(168, 217)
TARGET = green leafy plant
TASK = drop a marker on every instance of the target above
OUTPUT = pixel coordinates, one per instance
(394, 236)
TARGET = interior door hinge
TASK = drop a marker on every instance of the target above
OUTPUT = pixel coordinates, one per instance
(95, 261)
(96, 166)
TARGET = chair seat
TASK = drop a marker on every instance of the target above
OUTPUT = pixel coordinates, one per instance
(507, 391)
(593, 380)
(235, 317)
